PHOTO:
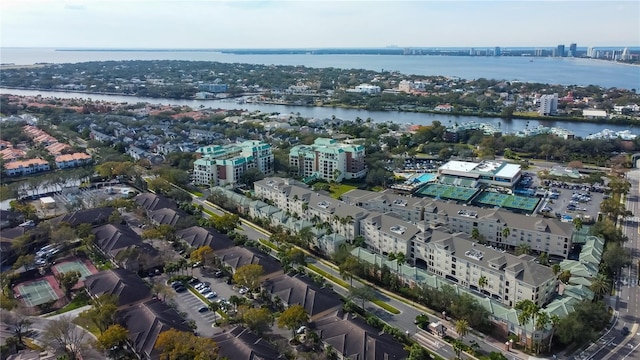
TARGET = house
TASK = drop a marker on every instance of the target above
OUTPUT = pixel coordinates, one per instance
(72, 160)
(93, 217)
(167, 216)
(126, 285)
(242, 344)
(111, 238)
(352, 338)
(145, 321)
(197, 237)
(236, 257)
(25, 167)
(152, 202)
(300, 290)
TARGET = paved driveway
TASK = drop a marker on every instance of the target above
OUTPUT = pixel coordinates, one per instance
(188, 303)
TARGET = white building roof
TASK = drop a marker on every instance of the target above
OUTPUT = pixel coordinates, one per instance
(455, 165)
(508, 171)
(47, 200)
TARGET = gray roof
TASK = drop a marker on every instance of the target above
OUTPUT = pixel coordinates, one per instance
(94, 217)
(239, 256)
(460, 245)
(300, 290)
(242, 344)
(112, 237)
(145, 321)
(167, 216)
(197, 236)
(355, 339)
(126, 285)
(392, 226)
(151, 202)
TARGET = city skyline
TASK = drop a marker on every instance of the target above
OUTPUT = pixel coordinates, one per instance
(143, 24)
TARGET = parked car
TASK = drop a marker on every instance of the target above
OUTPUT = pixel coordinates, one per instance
(200, 286)
(243, 290)
(204, 290)
(203, 309)
(211, 295)
(625, 331)
(194, 281)
(180, 289)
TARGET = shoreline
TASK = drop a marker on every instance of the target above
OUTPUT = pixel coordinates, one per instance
(613, 121)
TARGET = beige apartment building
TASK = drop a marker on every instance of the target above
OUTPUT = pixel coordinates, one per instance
(509, 278)
(540, 233)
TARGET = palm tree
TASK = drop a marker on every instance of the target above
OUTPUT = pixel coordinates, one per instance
(214, 307)
(577, 223)
(506, 232)
(565, 276)
(528, 311)
(556, 269)
(462, 328)
(555, 320)
(541, 322)
(523, 248)
(600, 286)
(482, 282)
(543, 258)
(457, 347)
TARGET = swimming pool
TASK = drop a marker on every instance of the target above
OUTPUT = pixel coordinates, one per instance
(425, 178)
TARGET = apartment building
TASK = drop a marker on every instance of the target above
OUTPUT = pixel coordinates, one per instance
(329, 160)
(499, 228)
(387, 233)
(505, 277)
(288, 195)
(25, 167)
(225, 164)
(548, 104)
(72, 160)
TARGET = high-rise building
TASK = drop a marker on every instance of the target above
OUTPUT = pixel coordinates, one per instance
(222, 165)
(497, 51)
(572, 50)
(329, 160)
(560, 51)
(548, 104)
(591, 52)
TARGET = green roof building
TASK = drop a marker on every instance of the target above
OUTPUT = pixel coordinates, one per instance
(329, 160)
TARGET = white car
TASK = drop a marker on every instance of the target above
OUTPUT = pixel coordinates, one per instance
(243, 290)
(204, 290)
(200, 286)
(211, 295)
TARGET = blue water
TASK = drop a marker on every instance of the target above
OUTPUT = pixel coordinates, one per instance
(426, 178)
(563, 71)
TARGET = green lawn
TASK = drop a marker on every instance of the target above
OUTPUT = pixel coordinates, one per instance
(338, 189)
(79, 301)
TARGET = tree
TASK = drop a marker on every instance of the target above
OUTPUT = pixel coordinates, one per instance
(25, 260)
(181, 345)
(577, 223)
(64, 336)
(555, 320)
(158, 288)
(203, 254)
(18, 323)
(458, 346)
(226, 222)
(462, 327)
(528, 311)
(115, 217)
(523, 248)
(555, 268)
(506, 232)
(542, 321)
(616, 257)
(292, 318)
(482, 282)
(565, 276)
(102, 313)
(475, 233)
(600, 286)
(543, 258)
(114, 336)
(258, 319)
(214, 307)
(417, 352)
(62, 234)
(364, 293)
(348, 268)
(83, 230)
(249, 275)
(66, 281)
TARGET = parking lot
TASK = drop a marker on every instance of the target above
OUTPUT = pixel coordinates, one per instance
(569, 201)
(189, 303)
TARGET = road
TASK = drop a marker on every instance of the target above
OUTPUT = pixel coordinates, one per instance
(403, 321)
(628, 300)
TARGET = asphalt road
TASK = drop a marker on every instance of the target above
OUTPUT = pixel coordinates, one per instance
(403, 321)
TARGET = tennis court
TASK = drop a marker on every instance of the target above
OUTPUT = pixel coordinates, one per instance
(447, 192)
(515, 202)
(73, 265)
(36, 293)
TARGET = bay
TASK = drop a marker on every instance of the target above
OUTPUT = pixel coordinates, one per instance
(581, 129)
(563, 71)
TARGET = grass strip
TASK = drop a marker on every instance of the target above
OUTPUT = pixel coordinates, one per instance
(211, 213)
(269, 244)
(206, 301)
(386, 306)
(82, 299)
(328, 276)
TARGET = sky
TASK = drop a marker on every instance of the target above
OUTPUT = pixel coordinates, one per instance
(211, 24)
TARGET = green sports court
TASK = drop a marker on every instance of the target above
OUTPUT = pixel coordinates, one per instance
(514, 202)
(75, 265)
(37, 292)
(441, 191)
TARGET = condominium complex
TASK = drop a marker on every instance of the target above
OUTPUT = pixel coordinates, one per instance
(225, 164)
(25, 167)
(436, 235)
(327, 159)
(548, 104)
(496, 173)
(505, 277)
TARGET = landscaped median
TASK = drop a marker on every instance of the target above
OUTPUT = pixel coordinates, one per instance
(344, 284)
(206, 301)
